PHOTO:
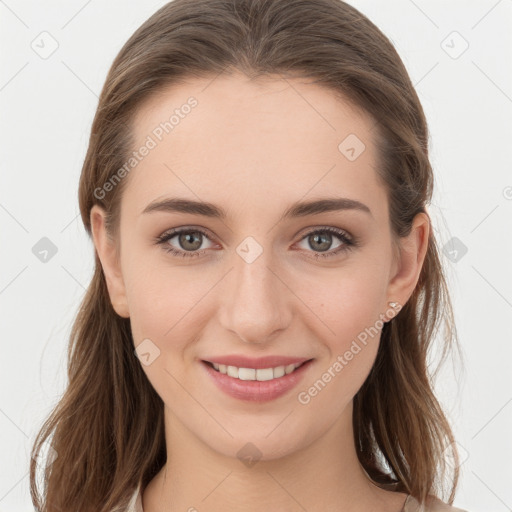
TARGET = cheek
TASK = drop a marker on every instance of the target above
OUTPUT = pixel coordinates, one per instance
(347, 303)
(348, 323)
(157, 297)
(168, 306)
(350, 328)
(165, 309)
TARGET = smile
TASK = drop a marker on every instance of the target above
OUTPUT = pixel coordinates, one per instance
(256, 384)
(259, 374)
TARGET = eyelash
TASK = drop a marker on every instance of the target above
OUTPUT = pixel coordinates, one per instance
(348, 241)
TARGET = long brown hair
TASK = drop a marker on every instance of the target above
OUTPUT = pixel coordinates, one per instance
(108, 428)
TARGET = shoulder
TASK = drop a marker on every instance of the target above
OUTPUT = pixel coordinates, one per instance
(433, 504)
(135, 504)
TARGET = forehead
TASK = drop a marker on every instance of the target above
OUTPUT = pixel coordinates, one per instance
(230, 138)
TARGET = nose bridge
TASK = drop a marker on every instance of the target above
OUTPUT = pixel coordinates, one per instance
(255, 302)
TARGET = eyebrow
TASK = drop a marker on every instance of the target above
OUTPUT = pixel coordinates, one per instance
(298, 209)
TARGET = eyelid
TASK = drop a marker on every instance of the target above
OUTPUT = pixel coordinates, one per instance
(171, 233)
(187, 229)
(333, 229)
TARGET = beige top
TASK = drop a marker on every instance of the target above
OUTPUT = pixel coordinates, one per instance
(410, 505)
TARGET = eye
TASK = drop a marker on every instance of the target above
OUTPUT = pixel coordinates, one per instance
(190, 241)
(321, 239)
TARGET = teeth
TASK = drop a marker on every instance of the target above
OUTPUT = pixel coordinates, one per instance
(245, 373)
(279, 371)
(232, 371)
(260, 374)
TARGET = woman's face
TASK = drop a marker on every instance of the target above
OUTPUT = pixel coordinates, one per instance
(257, 282)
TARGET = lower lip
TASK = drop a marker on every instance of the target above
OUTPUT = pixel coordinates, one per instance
(255, 390)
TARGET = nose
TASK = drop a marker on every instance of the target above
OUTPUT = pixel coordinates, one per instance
(256, 301)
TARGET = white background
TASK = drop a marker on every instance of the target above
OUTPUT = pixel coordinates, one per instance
(47, 109)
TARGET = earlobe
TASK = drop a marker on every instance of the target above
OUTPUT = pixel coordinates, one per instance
(412, 252)
(107, 253)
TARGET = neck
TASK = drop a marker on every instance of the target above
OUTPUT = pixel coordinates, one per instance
(325, 475)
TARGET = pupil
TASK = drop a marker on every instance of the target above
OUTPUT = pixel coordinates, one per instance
(326, 241)
(189, 238)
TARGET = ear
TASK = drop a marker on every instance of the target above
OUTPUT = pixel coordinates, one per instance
(108, 255)
(410, 257)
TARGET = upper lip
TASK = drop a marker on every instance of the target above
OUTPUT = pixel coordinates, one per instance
(256, 362)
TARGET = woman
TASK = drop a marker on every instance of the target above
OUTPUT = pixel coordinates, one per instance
(267, 280)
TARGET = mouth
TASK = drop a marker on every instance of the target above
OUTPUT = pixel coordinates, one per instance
(256, 374)
(262, 384)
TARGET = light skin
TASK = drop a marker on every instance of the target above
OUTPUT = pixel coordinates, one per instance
(254, 148)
